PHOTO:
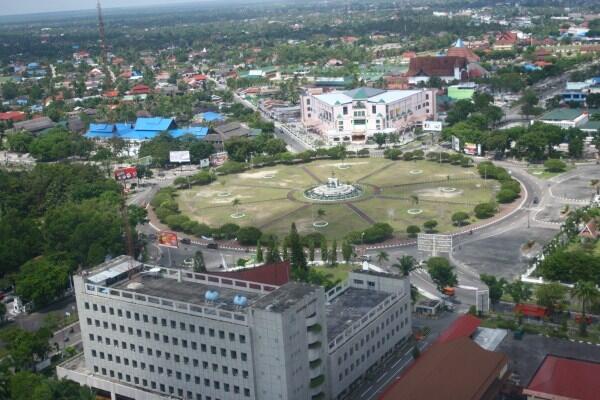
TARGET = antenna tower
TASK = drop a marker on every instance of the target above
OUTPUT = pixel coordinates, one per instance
(102, 33)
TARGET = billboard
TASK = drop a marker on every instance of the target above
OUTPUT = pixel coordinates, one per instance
(472, 149)
(168, 239)
(455, 143)
(218, 159)
(435, 126)
(125, 173)
(205, 163)
(179, 156)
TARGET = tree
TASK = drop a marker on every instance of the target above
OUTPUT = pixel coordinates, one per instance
(347, 251)
(595, 183)
(405, 264)
(324, 251)
(441, 273)
(59, 144)
(333, 256)
(379, 138)
(529, 101)
(519, 291)
(311, 250)
(259, 253)
(19, 142)
(551, 296)
(413, 231)
(9, 90)
(248, 235)
(41, 280)
(236, 204)
(460, 218)
(26, 348)
(199, 264)
(382, 257)
(593, 100)
(297, 256)
(2, 311)
(587, 294)
(430, 226)
(554, 165)
(495, 287)
(273, 255)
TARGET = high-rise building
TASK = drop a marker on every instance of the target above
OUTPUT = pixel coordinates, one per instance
(153, 333)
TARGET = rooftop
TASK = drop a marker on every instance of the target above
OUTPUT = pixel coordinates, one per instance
(463, 326)
(562, 114)
(527, 354)
(566, 378)
(349, 307)
(455, 370)
(287, 295)
(367, 94)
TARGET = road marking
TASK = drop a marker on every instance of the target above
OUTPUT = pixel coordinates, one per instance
(366, 391)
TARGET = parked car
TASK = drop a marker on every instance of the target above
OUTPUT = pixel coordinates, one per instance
(212, 246)
(186, 241)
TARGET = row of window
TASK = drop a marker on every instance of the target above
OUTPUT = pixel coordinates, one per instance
(225, 387)
(166, 323)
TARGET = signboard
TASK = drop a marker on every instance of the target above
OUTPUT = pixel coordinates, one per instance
(218, 159)
(434, 244)
(122, 174)
(435, 126)
(168, 239)
(179, 156)
(472, 149)
(205, 163)
(455, 143)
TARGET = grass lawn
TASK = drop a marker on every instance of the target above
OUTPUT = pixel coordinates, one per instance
(542, 173)
(338, 272)
(272, 198)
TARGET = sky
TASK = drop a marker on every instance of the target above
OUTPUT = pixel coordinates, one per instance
(11, 7)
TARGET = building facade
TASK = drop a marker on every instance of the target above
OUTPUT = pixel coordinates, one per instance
(354, 116)
(155, 333)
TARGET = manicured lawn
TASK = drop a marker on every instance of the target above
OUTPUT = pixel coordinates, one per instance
(339, 272)
(542, 173)
(272, 198)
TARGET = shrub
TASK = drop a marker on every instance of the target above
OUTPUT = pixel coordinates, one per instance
(176, 221)
(413, 231)
(232, 167)
(392, 154)
(377, 233)
(506, 196)
(430, 225)
(407, 156)
(227, 231)
(202, 178)
(202, 230)
(248, 235)
(363, 153)
(511, 184)
(460, 218)
(485, 210)
(418, 154)
(554, 165)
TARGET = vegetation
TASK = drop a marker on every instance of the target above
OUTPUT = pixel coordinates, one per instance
(441, 272)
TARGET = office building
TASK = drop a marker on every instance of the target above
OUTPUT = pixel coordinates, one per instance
(153, 333)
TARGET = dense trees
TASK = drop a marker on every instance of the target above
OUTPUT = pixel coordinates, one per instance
(56, 144)
(441, 273)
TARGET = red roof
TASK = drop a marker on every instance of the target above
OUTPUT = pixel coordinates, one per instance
(567, 378)
(531, 310)
(111, 93)
(199, 77)
(435, 66)
(140, 89)
(276, 274)
(14, 116)
(463, 326)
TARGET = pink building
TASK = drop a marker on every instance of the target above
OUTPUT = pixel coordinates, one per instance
(354, 116)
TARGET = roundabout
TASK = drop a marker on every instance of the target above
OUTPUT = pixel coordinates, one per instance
(351, 200)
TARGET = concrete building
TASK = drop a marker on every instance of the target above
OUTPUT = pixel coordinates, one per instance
(354, 116)
(156, 333)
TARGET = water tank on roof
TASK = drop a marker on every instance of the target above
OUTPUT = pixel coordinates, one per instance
(211, 295)
(240, 301)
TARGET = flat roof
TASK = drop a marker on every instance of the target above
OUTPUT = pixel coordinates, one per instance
(285, 296)
(562, 114)
(350, 306)
(157, 285)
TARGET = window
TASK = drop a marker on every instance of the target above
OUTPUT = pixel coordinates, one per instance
(242, 339)
(374, 109)
(345, 110)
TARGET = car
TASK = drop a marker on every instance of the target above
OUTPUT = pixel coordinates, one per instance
(212, 246)
(365, 257)
(449, 291)
(536, 200)
(186, 241)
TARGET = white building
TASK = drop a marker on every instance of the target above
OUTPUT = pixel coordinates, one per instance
(153, 333)
(354, 116)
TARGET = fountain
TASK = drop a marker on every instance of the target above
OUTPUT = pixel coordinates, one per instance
(333, 190)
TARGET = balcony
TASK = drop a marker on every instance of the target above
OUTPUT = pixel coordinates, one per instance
(317, 381)
(312, 319)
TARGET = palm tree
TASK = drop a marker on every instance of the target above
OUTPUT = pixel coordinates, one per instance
(406, 264)
(320, 213)
(414, 198)
(587, 294)
(382, 257)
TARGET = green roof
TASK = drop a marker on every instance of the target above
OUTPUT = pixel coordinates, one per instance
(562, 114)
(590, 126)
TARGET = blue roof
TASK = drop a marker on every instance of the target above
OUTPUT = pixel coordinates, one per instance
(212, 116)
(197, 131)
(154, 124)
(150, 127)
